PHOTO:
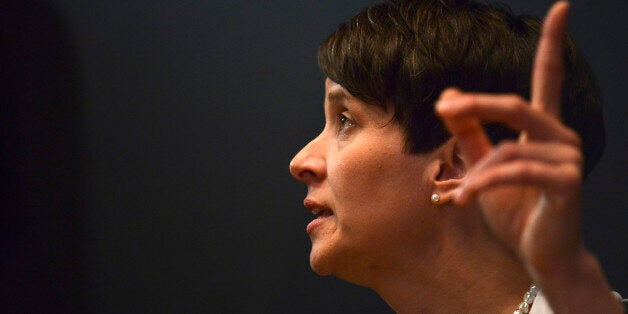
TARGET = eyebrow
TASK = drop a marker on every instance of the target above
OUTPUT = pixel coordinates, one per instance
(337, 95)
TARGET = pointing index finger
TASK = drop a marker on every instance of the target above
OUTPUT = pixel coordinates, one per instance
(549, 69)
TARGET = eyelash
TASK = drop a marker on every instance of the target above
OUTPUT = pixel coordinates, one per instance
(345, 123)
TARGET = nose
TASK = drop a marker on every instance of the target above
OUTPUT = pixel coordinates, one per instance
(309, 164)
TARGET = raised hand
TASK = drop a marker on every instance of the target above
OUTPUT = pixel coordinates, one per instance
(529, 190)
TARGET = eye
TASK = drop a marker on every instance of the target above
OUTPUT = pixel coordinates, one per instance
(345, 123)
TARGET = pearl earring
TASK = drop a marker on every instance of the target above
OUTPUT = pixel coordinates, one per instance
(435, 198)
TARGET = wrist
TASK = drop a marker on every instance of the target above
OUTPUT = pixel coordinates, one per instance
(577, 285)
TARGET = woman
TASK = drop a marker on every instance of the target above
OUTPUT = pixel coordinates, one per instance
(438, 221)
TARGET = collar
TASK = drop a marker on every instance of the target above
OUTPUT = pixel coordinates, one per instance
(540, 305)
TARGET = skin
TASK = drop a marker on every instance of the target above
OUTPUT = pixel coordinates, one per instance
(508, 215)
(529, 191)
(383, 221)
(355, 168)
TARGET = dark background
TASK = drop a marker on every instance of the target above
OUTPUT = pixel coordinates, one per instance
(145, 151)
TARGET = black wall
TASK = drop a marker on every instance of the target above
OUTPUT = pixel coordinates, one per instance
(175, 123)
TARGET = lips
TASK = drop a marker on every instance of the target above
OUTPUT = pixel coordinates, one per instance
(320, 211)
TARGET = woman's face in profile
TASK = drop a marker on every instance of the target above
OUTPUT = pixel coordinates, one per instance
(370, 198)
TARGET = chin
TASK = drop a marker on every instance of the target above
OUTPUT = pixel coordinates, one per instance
(336, 256)
(333, 259)
(328, 264)
(321, 271)
(320, 261)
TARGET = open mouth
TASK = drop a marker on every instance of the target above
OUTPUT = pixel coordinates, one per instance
(322, 215)
(319, 212)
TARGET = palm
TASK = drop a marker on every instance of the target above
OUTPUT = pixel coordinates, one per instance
(525, 218)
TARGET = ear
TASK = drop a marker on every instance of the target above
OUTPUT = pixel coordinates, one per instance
(452, 170)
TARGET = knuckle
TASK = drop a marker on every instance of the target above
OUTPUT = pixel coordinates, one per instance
(572, 173)
(517, 104)
(457, 105)
(507, 149)
(569, 176)
(515, 99)
(469, 101)
(575, 155)
(526, 170)
(573, 137)
(568, 152)
(448, 93)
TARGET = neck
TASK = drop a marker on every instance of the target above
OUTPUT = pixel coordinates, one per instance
(473, 274)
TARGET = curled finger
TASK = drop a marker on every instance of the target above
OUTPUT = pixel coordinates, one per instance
(565, 177)
(511, 110)
(550, 153)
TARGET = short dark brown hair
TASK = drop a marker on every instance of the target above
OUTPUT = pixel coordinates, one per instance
(407, 52)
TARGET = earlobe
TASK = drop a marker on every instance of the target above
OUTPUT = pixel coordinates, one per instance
(435, 198)
(445, 191)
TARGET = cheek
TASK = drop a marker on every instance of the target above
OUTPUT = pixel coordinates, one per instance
(376, 191)
(356, 181)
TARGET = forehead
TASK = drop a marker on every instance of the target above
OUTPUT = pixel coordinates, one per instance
(339, 98)
(336, 93)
